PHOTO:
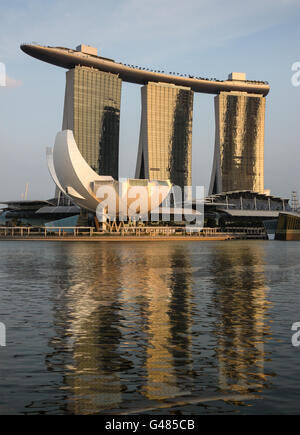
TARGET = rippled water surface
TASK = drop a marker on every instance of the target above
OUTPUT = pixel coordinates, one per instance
(149, 327)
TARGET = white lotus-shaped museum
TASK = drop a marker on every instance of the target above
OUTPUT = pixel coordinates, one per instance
(76, 179)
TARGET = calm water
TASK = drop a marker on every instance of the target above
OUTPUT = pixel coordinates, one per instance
(93, 327)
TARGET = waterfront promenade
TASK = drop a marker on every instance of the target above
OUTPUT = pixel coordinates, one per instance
(127, 234)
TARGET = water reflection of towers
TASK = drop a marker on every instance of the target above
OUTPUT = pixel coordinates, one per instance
(241, 306)
(125, 331)
(168, 358)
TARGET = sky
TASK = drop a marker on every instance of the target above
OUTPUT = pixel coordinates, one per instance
(202, 38)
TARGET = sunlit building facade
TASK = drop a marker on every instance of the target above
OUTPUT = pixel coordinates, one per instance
(92, 112)
(165, 145)
(239, 143)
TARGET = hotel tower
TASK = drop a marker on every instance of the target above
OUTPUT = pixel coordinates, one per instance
(92, 112)
(165, 145)
(239, 142)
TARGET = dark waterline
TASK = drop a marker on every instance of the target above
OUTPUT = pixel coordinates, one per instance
(113, 327)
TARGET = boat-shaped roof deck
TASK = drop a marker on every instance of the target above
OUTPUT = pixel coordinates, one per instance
(68, 58)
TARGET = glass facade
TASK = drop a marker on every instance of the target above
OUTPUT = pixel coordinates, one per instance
(165, 146)
(92, 111)
(239, 146)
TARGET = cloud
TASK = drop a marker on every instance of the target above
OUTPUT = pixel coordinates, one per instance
(12, 83)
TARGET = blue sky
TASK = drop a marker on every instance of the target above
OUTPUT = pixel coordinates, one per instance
(208, 39)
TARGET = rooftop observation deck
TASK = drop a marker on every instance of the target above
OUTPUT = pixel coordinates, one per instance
(69, 58)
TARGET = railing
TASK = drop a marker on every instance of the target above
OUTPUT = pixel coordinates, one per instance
(244, 230)
(45, 231)
(31, 232)
(91, 231)
(183, 231)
